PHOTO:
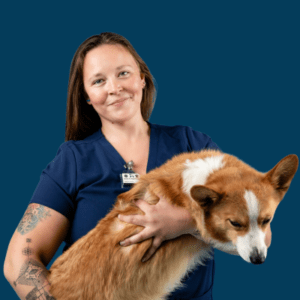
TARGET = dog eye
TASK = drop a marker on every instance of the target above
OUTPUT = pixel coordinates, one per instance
(235, 224)
(266, 221)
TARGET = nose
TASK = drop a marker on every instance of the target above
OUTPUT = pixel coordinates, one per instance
(113, 87)
(257, 258)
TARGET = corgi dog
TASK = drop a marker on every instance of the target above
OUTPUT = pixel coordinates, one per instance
(231, 205)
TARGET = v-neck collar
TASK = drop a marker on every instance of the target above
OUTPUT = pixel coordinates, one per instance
(118, 159)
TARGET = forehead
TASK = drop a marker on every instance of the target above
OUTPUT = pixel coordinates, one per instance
(252, 205)
(108, 56)
(249, 202)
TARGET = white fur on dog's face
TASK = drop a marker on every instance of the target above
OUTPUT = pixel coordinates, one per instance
(252, 243)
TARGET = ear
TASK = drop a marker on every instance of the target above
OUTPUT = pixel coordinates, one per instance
(282, 174)
(144, 79)
(204, 196)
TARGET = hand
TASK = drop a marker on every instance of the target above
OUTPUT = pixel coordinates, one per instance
(162, 221)
(268, 236)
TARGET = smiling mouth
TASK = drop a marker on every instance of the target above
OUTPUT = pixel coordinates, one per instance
(119, 101)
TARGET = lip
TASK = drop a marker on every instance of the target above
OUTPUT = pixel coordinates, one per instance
(119, 101)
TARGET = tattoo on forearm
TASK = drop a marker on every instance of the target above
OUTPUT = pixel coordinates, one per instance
(27, 251)
(33, 215)
(33, 273)
(36, 294)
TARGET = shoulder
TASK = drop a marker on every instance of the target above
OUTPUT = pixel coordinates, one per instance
(176, 130)
(89, 142)
(90, 139)
(71, 153)
(195, 140)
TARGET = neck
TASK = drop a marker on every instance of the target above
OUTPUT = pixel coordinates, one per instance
(131, 130)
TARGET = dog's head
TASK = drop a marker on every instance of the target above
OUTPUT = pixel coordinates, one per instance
(238, 205)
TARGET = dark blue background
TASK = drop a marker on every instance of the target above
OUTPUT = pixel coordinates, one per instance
(227, 68)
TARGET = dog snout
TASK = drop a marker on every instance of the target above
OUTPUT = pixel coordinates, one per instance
(257, 258)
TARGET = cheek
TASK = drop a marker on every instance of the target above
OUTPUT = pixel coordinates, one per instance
(97, 96)
(232, 234)
(217, 229)
(135, 86)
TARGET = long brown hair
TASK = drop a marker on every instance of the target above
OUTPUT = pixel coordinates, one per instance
(82, 120)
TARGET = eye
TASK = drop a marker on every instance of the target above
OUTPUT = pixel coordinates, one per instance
(266, 221)
(235, 224)
(123, 73)
(98, 81)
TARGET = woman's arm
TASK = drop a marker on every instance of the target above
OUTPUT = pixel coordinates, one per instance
(34, 243)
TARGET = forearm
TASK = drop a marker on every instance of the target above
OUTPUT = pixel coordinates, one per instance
(27, 274)
(28, 277)
(31, 248)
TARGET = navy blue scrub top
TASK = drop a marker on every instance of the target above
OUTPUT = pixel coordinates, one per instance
(83, 182)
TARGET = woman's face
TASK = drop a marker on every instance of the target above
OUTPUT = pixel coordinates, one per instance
(113, 83)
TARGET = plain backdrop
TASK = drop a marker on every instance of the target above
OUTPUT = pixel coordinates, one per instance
(229, 69)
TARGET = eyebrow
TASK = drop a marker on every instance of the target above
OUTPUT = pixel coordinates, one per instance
(99, 74)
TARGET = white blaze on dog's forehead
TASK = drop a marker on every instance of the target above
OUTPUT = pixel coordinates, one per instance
(255, 237)
(253, 205)
(197, 171)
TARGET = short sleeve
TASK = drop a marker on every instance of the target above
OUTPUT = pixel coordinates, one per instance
(57, 186)
(199, 141)
(212, 145)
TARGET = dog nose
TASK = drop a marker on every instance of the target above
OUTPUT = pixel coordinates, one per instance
(256, 258)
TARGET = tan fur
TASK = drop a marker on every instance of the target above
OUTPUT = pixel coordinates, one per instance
(97, 267)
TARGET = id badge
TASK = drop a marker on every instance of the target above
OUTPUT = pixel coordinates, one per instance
(129, 177)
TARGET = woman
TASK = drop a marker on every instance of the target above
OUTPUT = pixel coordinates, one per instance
(110, 99)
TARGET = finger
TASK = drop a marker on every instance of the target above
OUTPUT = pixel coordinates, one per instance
(142, 204)
(162, 201)
(137, 238)
(155, 245)
(132, 219)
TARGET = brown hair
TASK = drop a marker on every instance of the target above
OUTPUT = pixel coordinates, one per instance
(82, 120)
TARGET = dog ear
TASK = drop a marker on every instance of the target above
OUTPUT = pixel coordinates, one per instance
(204, 196)
(282, 174)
